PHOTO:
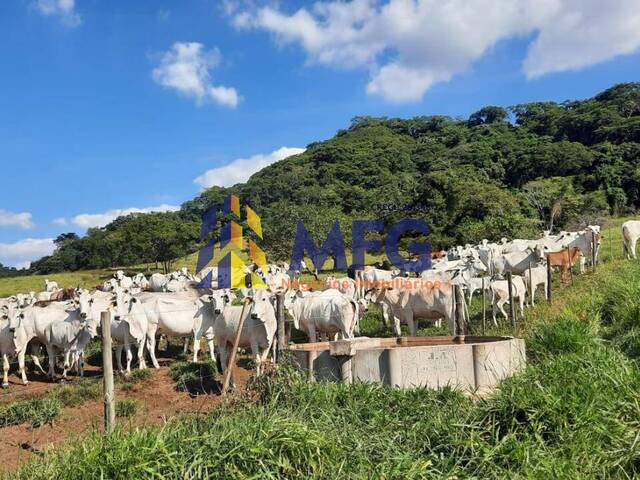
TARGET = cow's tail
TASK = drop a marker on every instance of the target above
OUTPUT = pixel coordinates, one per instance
(625, 241)
(356, 316)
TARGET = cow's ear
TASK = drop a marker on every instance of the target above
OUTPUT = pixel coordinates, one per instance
(134, 300)
(21, 316)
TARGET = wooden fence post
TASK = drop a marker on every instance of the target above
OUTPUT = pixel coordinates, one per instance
(461, 327)
(570, 265)
(107, 374)
(512, 306)
(484, 308)
(281, 328)
(549, 280)
(531, 291)
(593, 250)
(234, 351)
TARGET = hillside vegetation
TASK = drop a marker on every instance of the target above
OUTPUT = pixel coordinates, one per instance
(501, 172)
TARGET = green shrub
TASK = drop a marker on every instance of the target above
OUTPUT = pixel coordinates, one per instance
(126, 408)
(557, 336)
(195, 377)
(76, 394)
(37, 412)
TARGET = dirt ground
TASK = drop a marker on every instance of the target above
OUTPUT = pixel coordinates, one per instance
(157, 397)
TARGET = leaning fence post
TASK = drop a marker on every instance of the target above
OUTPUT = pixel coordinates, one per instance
(549, 280)
(512, 306)
(107, 373)
(236, 343)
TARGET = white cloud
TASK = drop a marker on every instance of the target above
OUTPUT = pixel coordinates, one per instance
(185, 68)
(21, 253)
(60, 221)
(409, 45)
(241, 169)
(65, 9)
(91, 220)
(9, 219)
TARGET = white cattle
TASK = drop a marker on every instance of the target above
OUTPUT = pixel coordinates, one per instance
(630, 235)
(128, 322)
(258, 330)
(329, 312)
(500, 295)
(50, 286)
(344, 285)
(518, 262)
(7, 346)
(70, 336)
(538, 277)
(157, 281)
(180, 315)
(32, 322)
(433, 301)
(110, 285)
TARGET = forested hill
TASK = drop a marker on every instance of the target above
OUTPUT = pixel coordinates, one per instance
(499, 173)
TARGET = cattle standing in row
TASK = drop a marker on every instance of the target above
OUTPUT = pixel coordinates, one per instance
(500, 295)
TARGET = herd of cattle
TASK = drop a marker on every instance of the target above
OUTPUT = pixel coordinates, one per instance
(65, 320)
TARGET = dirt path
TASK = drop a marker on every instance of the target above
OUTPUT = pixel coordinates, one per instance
(157, 398)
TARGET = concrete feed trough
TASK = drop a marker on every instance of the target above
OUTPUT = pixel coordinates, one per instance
(470, 363)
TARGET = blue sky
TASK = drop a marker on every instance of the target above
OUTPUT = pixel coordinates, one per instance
(107, 106)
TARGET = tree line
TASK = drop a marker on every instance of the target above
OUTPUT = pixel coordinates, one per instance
(502, 172)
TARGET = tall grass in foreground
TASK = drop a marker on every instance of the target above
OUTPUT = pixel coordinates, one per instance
(573, 413)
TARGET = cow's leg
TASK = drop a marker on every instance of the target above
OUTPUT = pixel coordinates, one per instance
(67, 361)
(196, 347)
(5, 370)
(211, 348)
(186, 345)
(521, 299)
(255, 351)
(127, 351)
(438, 323)
(23, 370)
(141, 362)
(52, 362)
(385, 315)
(502, 310)
(412, 323)
(119, 349)
(81, 363)
(494, 312)
(222, 350)
(151, 345)
(632, 248)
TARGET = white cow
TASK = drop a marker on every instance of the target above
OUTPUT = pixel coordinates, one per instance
(32, 322)
(433, 301)
(258, 330)
(538, 277)
(329, 311)
(50, 286)
(517, 262)
(128, 322)
(70, 336)
(500, 295)
(344, 285)
(630, 235)
(157, 281)
(181, 315)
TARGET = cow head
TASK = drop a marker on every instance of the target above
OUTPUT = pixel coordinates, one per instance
(262, 306)
(84, 303)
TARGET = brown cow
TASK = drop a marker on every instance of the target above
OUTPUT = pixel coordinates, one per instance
(564, 259)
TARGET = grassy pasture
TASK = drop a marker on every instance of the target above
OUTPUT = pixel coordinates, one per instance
(573, 413)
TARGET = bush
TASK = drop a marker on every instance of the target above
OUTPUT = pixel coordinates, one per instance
(195, 377)
(37, 412)
(78, 393)
(557, 336)
(126, 408)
